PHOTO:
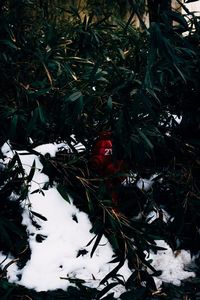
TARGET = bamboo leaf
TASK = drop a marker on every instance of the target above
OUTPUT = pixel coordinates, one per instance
(48, 74)
(32, 172)
(75, 96)
(9, 43)
(63, 192)
(97, 241)
(38, 215)
(113, 272)
(106, 289)
(145, 138)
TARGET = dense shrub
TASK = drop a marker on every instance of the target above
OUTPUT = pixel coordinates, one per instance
(64, 73)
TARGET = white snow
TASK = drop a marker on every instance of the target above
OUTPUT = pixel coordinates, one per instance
(56, 256)
(178, 119)
(51, 149)
(5, 149)
(66, 231)
(194, 7)
(158, 213)
(143, 184)
(7, 152)
(171, 264)
(146, 184)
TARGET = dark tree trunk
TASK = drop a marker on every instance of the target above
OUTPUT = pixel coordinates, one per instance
(156, 8)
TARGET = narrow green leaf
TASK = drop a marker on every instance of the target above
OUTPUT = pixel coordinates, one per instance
(109, 103)
(41, 114)
(75, 96)
(90, 242)
(180, 72)
(38, 215)
(98, 238)
(13, 125)
(145, 138)
(106, 289)
(9, 43)
(32, 172)
(113, 272)
(35, 191)
(63, 192)
(20, 164)
(121, 53)
(12, 162)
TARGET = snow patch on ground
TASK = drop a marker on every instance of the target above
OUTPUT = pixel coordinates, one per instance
(66, 233)
(59, 245)
(172, 264)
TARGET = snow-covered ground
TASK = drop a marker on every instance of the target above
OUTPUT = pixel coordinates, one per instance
(171, 264)
(62, 252)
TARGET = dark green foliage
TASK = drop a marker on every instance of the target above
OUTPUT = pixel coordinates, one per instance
(64, 72)
(13, 235)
